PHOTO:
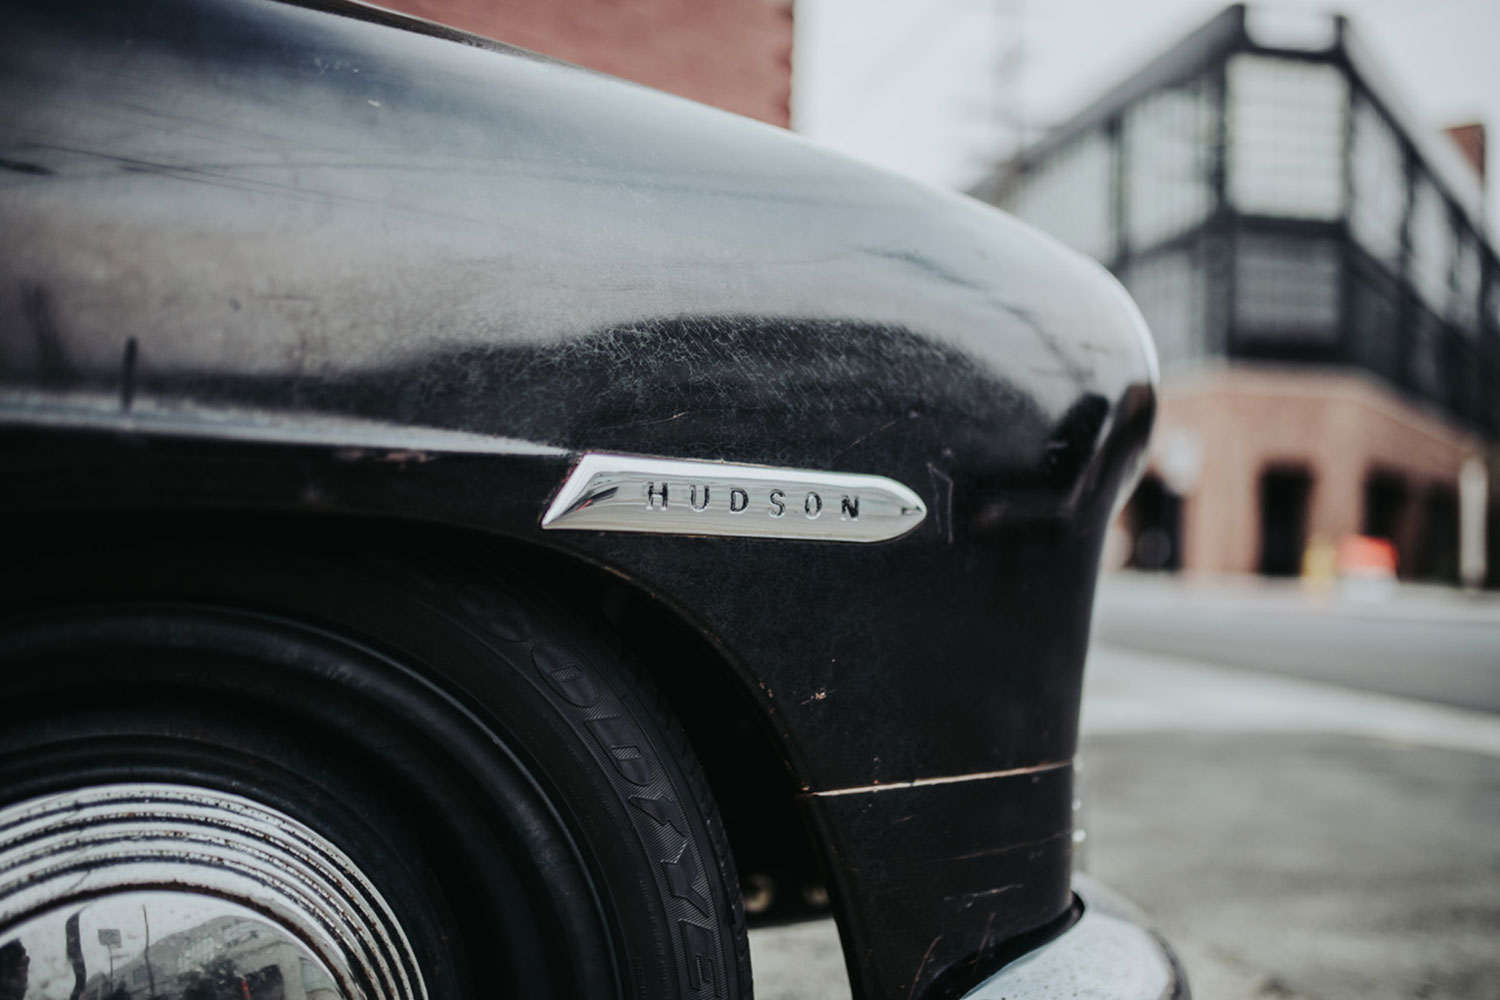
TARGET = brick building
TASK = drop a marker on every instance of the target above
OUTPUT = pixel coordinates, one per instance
(1315, 269)
(734, 54)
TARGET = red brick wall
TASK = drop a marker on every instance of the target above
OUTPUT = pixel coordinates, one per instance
(736, 54)
(1340, 426)
(1470, 139)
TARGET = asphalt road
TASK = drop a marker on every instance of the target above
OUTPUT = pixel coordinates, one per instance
(1430, 643)
(1295, 839)
(1296, 828)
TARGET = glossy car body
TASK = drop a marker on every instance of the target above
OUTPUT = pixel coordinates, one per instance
(280, 265)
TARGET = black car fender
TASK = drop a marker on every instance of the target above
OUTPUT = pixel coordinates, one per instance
(264, 257)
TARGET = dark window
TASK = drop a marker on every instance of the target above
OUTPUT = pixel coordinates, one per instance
(1489, 383)
(1155, 520)
(1492, 546)
(1375, 323)
(1437, 552)
(1287, 290)
(1283, 520)
(1464, 308)
(1385, 503)
(1461, 376)
(1424, 364)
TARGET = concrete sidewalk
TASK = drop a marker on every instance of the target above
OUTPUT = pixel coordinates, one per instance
(1435, 644)
(1128, 692)
(1283, 596)
(1296, 839)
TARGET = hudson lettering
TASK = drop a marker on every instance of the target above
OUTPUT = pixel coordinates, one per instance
(678, 497)
(701, 498)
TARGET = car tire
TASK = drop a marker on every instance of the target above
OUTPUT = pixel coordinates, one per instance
(512, 793)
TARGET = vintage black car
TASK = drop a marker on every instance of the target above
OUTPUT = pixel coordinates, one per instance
(464, 514)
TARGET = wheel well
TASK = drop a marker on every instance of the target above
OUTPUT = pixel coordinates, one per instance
(747, 772)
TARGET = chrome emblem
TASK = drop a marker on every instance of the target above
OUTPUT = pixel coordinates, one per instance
(670, 497)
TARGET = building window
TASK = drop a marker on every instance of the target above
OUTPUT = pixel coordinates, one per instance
(1385, 506)
(1154, 519)
(1168, 288)
(1167, 149)
(1426, 369)
(1375, 323)
(1492, 299)
(1437, 550)
(1287, 289)
(1070, 194)
(1284, 493)
(1463, 384)
(1286, 136)
(1464, 309)
(1378, 185)
(1431, 244)
(1490, 402)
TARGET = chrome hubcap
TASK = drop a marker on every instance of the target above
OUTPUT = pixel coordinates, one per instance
(168, 891)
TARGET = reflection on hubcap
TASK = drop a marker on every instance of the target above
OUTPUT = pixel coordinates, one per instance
(144, 945)
(164, 892)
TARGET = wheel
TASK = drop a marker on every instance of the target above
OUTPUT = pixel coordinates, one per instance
(249, 775)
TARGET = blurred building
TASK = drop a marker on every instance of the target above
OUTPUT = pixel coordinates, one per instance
(1314, 267)
(223, 958)
(734, 54)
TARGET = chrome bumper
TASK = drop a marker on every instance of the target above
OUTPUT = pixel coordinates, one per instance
(1110, 953)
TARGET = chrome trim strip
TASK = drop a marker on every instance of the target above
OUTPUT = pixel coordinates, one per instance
(676, 497)
(97, 411)
(947, 780)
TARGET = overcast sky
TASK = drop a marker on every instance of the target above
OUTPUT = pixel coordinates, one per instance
(931, 88)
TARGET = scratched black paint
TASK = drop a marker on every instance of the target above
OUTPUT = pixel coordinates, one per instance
(271, 207)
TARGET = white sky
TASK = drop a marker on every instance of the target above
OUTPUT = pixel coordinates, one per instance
(912, 84)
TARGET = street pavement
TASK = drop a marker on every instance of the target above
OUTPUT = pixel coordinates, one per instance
(1308, 836)
(1294, 839)
(1433, 643)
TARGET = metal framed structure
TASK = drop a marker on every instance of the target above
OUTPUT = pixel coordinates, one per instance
(1265, 197)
